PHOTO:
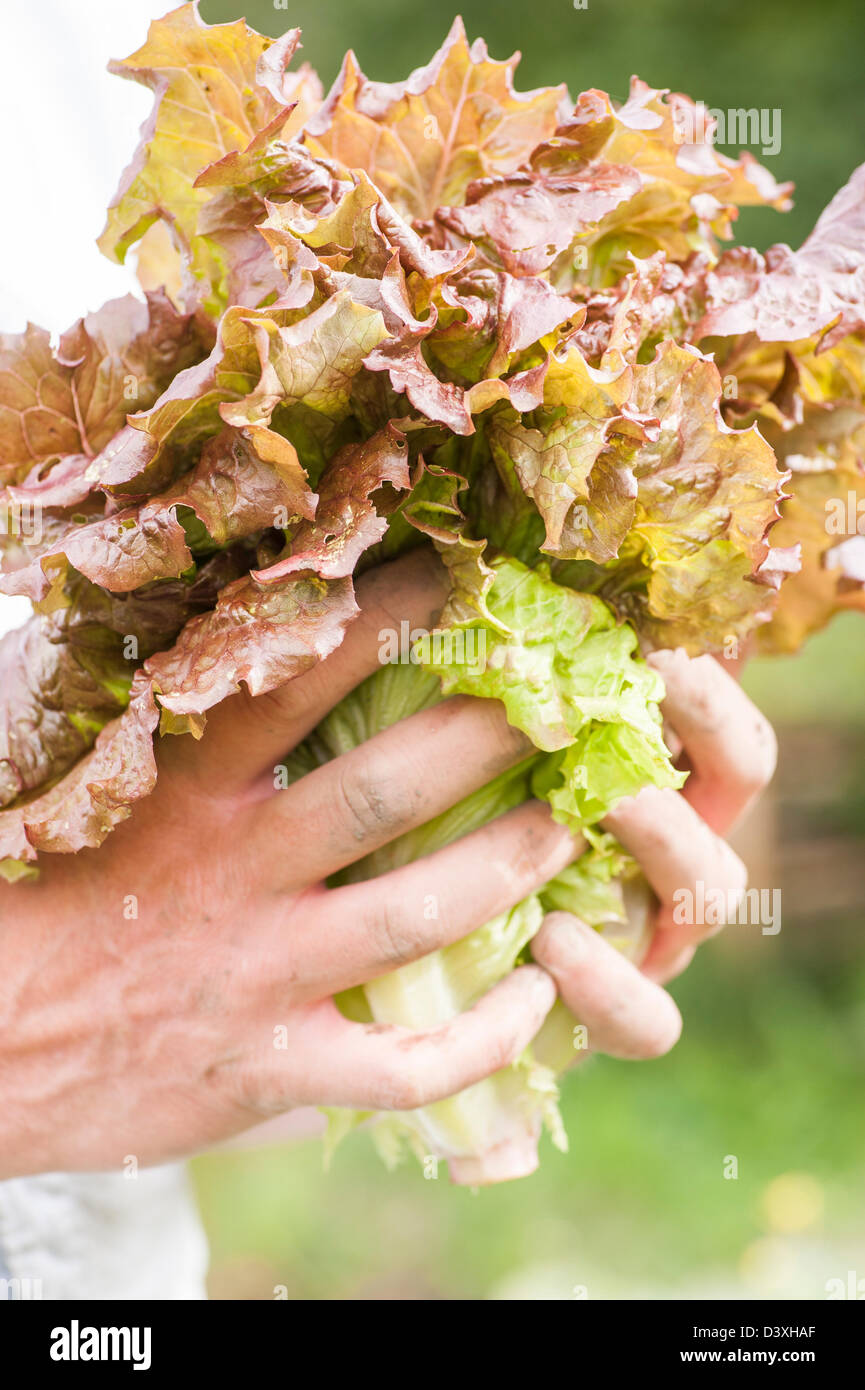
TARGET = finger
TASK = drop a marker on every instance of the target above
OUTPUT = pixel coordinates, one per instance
(729, 743)
(383, 1067)
(246, 735)
(677, 851)
(623, 1013)
(393, 783)
(670, 953)
(687, 865)
(376, 926)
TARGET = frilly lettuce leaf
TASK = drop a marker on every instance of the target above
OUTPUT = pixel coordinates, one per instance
(634, 469)
(346, 521)
(789, 295)
(424, 140)
(487, 319)
(260, 361)
(789, 333)
(244, 482)
(809, 402)
(312, 361)
(352, 227)
(831, 577)
(567, 675)
(279, 620)
(698, 479)
(215, 88)
(63, 405)
(121, 552)
(98, 793)
(259, 634)
(60, 688)
(614, 181)
(554, 456)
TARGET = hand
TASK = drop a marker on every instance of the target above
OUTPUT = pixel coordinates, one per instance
(155, 1036)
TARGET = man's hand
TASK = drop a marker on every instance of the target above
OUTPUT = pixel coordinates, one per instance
(153, 1034)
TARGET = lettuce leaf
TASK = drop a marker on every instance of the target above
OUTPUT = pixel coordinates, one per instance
(214, 90)
(81, 809)
(789, 332)
(614, 182)
(63, 405)
(423, 141)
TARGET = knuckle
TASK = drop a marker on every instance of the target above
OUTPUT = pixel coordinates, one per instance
(730, 880)
(500, 1053)
(250, 1088)
(520, 869)
(540, 851)
(562, 944)
(416, 582)
(487, 722)
(698, 682)
(403, 1088)
(368, 811)
(556, 928)
(271, 706)
(398, 941)
(510, 741)
(549, 848)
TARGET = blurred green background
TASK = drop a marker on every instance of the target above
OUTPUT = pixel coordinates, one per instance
(771, 1068)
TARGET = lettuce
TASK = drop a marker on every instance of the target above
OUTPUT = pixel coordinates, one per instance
(568, 676)
(437, 312)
